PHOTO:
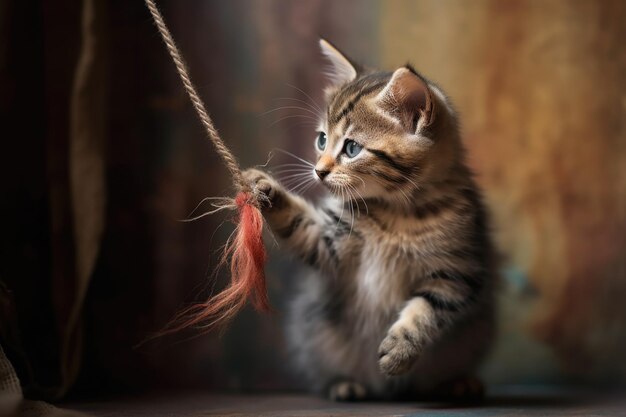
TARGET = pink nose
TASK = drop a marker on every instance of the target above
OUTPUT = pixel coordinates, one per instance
(322, 173)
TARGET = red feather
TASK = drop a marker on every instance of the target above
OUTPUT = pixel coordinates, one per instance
(247, 270)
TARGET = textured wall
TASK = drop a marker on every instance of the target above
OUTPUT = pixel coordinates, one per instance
(541, 86)
(541, 89)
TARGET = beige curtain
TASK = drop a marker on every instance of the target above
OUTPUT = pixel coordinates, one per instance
(87, 137)
(12, 402)
(87, 204)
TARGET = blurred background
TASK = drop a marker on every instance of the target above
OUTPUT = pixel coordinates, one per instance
(102, 154)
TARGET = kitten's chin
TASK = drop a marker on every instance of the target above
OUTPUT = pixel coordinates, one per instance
(356, 191)
(335, 190)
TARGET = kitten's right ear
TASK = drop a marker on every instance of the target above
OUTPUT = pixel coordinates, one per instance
(408, 96)
(342, 70)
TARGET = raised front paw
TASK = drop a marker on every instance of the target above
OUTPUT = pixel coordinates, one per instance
(267, 188)
(398, 351)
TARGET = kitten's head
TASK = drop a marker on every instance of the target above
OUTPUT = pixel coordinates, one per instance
(383, 134)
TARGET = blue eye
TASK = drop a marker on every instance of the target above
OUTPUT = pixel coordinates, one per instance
(321, 141)
(352, 148)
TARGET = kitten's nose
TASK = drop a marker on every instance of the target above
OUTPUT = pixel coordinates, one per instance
(322, 173)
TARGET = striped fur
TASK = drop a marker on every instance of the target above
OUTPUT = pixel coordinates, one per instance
(399, 297)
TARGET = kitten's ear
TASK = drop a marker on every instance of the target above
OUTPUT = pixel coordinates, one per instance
(342, 70)
(408, 97)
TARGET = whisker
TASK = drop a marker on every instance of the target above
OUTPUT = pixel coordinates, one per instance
(290, 179)
(311, 184)
(294, 179)
(351, 211)
(292, 117)
(208, 213)
(351, 189)
(204, 200)
(283, 171)
(360, 179)
(303, 183)
(295, 156)
(408, 200)
(304, 170)
(223, 204)
(343, 203)
(288, 165)
(293, 182)
(345, 186)
(317, 106)
(359, 194)
(290, 174)
(297, 176)
(301, 125)
(289, 108)
(367, 211)
(301, 101)
(301, 168)
(412, 182)
(294, 188)
(303, 188)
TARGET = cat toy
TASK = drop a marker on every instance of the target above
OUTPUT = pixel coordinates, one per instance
(246, 251)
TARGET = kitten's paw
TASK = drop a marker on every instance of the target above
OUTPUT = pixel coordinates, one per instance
(464, 389)
(397, 352)
(347, 391)
(268, 189)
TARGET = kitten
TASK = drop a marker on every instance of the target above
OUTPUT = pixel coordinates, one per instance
(399, 300)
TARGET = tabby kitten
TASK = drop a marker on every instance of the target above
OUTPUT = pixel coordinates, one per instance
(399, 298)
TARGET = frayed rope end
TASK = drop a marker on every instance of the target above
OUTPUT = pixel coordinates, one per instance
(247, 257)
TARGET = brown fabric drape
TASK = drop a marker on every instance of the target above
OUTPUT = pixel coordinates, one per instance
(12, 402)
(10, 389)
(85, 181)
(87, 177)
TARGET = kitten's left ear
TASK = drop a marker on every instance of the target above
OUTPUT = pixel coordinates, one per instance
(409, 98)
(342, 69)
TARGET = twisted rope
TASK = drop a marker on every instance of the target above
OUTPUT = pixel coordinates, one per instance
(229, 159)
(246, 252)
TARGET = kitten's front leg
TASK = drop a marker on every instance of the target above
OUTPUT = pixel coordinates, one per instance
(279, 206)
(444, 298)
(294, 220)
(273, 195)
(407, 337)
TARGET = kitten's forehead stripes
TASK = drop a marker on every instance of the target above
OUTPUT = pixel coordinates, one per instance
(347, 98)
(350, 106)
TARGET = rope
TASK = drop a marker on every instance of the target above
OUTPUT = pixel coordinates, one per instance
(229, 159)
(246, 252)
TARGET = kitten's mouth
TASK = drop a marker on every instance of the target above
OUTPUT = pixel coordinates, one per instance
(330, 187)
(341, 190)
(341, 185)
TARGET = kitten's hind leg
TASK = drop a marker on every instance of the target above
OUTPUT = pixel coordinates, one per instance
(346, 390)
(466, 389)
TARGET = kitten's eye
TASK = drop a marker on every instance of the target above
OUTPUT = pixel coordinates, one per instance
(352, 148)
(321, 141)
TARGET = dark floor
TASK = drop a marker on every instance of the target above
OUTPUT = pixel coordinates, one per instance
(509, 401)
